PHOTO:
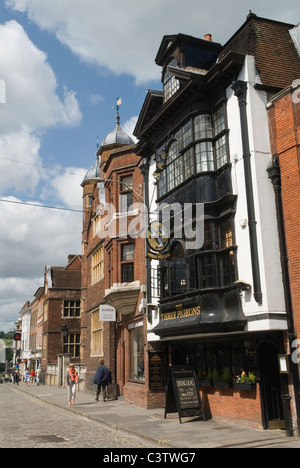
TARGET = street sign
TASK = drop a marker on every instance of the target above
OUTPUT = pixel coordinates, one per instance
(107, 313)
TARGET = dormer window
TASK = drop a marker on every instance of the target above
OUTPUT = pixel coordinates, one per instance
(171, 84)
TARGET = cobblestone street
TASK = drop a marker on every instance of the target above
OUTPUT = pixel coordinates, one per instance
(26, 422)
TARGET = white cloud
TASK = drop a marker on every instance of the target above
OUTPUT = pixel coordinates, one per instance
(32, 102)
(67, 188)
(124, 36)
(95, 99)
(13, 294)
(129, 126)
(31, 238)
(19, 146)
(32, 106)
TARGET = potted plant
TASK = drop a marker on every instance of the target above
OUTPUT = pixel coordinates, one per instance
(245, 381)
(224, 381)
(205, 378)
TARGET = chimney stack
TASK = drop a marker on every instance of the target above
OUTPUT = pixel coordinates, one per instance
(208, 37)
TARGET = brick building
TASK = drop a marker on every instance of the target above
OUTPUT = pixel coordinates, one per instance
(205, 141)
(114, 267)
(62, 308)
(108, 258)
(36, 329)
(284, 171)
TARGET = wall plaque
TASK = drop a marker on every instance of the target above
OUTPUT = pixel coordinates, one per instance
(156, 380)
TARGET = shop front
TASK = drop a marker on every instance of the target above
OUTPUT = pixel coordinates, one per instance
(238, 372)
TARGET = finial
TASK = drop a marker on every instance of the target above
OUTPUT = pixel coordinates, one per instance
(98, 145)
(119, 102)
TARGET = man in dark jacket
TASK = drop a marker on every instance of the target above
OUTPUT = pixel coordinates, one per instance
(102, 379)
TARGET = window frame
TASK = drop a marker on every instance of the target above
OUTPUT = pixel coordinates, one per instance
(215, 266)
(126, 194)
(137, 354)
(170, 84)
(68, 307)
(96, 335)
(97, 265)
(186, 152)
(74, 344)
(127, 264)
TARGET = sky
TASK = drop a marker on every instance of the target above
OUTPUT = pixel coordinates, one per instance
(64, 64)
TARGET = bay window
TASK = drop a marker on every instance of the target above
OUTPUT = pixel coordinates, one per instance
(199, 146)
(214, 266)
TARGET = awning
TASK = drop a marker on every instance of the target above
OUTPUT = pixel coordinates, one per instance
(216, 312)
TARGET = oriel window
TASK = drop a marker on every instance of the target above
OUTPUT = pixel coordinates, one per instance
(198, 146)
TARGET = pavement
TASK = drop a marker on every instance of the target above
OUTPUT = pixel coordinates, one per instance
(150, 425)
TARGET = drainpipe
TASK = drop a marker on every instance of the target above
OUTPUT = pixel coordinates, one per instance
(240, 91)
(275, 176)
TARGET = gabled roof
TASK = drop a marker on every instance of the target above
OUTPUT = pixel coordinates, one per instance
(68, 277)
(152, 105)
(65, 279)
(165, 46)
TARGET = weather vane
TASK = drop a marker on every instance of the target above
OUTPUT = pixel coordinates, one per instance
(119, 102)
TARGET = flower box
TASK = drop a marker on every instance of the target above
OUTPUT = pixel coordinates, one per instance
(206, 383)
(244, 386)
(223, 383)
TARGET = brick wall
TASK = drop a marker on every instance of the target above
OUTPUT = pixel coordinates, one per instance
(285, 137)
(232, 404)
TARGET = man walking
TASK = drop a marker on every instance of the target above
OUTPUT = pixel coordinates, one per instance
(102, 379)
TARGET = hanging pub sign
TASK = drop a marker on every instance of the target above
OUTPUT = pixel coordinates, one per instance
(158, 241)
(183, 396)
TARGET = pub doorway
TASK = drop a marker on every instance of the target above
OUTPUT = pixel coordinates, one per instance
(272, 408)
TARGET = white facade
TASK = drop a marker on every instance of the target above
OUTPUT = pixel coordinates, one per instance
(259, 315)
(25, 316)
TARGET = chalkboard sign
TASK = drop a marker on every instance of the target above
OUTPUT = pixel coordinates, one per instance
(183, 395)
(156, 371)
